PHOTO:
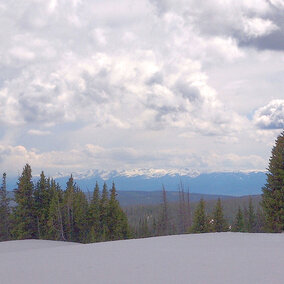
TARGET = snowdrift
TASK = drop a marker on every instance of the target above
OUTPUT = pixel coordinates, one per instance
(205, 258)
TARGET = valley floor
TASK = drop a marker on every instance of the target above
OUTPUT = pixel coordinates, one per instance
(200, 258)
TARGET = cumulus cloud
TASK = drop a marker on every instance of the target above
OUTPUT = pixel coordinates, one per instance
(93, 156)
(256, 27)
(137, 66)
(69, 77)
(270, 116)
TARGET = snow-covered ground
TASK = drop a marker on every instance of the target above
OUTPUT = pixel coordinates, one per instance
(206, 258)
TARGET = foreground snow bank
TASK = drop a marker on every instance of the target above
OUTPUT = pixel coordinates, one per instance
(206, 258)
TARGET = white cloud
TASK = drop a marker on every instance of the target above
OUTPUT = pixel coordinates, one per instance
(93, 157)
(255, 27)
(270, 116)
(78, 68)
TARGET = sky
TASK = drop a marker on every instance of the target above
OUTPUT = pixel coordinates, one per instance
(131, 84)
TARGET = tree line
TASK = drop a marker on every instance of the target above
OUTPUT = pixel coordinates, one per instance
(44, 211)
(167, 219)
(268, 218)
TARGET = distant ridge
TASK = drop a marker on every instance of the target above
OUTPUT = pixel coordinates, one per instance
(218, 183)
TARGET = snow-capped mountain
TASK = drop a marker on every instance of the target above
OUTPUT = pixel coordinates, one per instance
(221, 183)
(147, 173)
(224, 183)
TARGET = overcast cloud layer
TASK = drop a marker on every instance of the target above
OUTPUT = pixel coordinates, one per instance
(140, 84)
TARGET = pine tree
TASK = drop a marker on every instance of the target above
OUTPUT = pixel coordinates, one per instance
(24, 215)
(55, 230)
(250, 218)
(42, 203)
(238, 225)
(113, 215)
(200, 219)
(117, 221)
(104, 214)
(94, 216)
(4, 212)
(219, 222)
(273, 191)
(68, 202)
(80, 231)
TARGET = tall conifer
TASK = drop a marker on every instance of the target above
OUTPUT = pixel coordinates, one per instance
(273, 191)
(94, 216)
(4, 211)
(25, 212)
(238, 225)
(219, 222)
(200, 219)
(104, 214)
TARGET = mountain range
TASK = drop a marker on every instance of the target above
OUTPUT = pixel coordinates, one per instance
(220, 183)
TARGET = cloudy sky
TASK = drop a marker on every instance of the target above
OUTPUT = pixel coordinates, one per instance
(140, 84)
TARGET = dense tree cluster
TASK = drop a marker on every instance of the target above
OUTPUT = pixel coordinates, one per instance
(166, 218)
(45, 211)
(203, 223)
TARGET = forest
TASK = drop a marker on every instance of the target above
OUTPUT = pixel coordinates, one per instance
(43, 210)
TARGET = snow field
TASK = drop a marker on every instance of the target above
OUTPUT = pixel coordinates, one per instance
(201, 258)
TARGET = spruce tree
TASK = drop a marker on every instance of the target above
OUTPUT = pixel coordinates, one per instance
(104, 214)
(200, 219)
(113, 216)
(80, 231)
(219, 223)
(42, 203)
(68, 202)
(250, 218)
(24, 215)
(55, 230)
(238, 225)
(4, 212)
(94, 216)
(273, 191)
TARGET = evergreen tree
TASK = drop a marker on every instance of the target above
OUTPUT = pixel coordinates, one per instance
(55, 230)
(80, 216)
(68, 202)
(117, 221)
(125, 232)
(94, 216)
(250, 218)
(219, 222)
(24, 215)
(273, 191)
(42, 203)
(104, 214)
(113, 215)
(238, 225)
(200, 219)
(4, 212)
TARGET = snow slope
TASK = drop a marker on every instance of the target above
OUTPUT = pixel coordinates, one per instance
(206, 258)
